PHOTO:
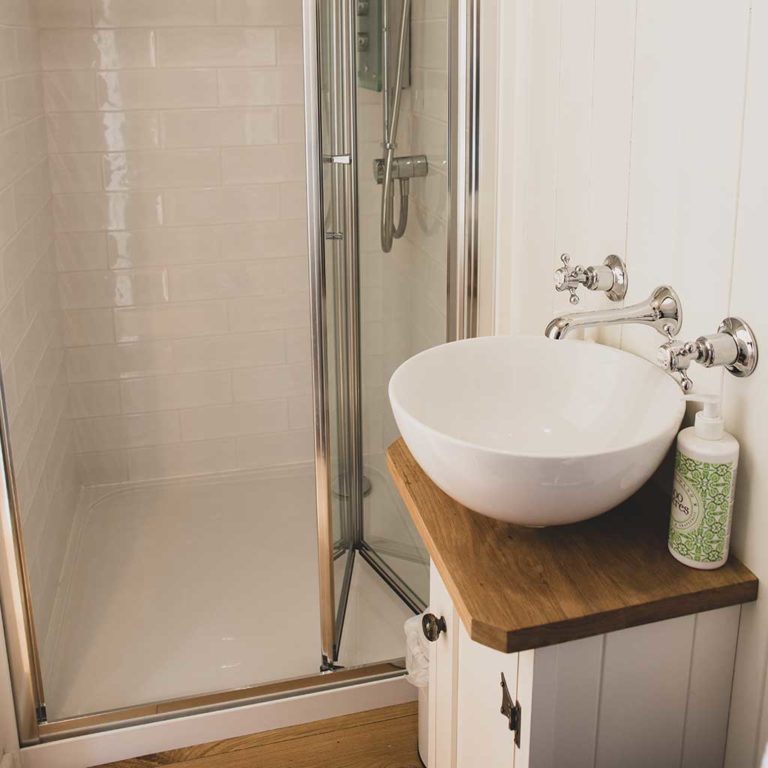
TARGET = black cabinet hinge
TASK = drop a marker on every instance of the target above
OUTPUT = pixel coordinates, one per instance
(511, 710)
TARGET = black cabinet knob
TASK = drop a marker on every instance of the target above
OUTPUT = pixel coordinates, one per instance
(432, 626)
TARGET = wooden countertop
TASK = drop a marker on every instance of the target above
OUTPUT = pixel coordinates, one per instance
(517, 588)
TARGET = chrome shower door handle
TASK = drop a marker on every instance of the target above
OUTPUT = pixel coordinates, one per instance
(337, 159)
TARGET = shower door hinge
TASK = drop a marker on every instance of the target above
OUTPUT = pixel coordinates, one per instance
(329, 666)
(511, 710)
(338, 159)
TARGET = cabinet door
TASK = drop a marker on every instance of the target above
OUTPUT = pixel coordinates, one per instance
(654, 695)
(484, 738)
(443, 671)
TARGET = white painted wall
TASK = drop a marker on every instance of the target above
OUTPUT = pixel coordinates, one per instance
(638, 127)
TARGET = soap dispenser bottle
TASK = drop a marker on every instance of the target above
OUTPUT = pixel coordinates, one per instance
(702, 496)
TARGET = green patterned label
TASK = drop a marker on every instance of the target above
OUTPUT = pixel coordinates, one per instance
(701, 499)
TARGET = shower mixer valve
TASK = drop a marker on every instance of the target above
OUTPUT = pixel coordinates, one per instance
(733, 346)
(610, 277)
(406, 167)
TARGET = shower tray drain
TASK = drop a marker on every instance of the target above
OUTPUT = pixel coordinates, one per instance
(340, 486)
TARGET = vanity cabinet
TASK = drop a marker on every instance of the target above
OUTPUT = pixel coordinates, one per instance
(655, 695)
(585, 645)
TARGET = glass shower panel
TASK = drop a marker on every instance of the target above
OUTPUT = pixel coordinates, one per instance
(403, 292)
(373, 317)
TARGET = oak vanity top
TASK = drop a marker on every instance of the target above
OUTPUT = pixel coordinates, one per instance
(518, 588)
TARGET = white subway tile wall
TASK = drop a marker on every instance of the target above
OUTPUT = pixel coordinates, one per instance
(175, 130)
(404, 293)
(31, 347)
(428, 231)
(154, 309)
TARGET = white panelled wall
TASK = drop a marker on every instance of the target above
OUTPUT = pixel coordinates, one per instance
(638, 127)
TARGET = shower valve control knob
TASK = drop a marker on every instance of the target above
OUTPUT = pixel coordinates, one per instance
(433, 626)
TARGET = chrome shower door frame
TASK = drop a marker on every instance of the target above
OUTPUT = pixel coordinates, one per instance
(464, 169)
(18, 620)
(462, 258)
(341, 242)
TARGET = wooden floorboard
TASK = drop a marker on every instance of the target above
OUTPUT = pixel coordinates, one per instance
(379, 738)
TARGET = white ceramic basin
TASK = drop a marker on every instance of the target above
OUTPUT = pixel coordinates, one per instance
(534, 431)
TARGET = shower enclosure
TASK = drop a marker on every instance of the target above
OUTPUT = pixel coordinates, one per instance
(197, 512)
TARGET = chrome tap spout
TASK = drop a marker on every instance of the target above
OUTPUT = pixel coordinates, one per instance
(661, 310)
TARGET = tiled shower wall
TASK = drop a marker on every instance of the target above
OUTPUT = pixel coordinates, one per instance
(427, 231)
(404, 292)
(31, 351)
(404, 301)
(176, 136)
(385, 292)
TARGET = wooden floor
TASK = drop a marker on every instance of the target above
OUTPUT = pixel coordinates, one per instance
(380, 738)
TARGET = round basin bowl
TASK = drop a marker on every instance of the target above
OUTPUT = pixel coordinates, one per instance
(534, 431)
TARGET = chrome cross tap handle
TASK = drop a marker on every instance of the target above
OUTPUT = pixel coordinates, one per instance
(676, 356)
(733, 346)
(610, 277)
(569, 280)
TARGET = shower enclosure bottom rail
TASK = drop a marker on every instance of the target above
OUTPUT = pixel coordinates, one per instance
(192, 705)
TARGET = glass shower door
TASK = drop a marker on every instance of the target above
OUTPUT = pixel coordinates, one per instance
(380, 294)
(335, 330)
(336, 313)
(179, 487)
(348, 565)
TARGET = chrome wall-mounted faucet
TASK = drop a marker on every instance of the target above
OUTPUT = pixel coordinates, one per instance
(661, 311)
(733, 346)
(610, 277)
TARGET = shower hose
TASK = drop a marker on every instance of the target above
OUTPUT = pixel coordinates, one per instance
(388, 229)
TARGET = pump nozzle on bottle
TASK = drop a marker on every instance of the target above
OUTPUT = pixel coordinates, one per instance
(708, 423)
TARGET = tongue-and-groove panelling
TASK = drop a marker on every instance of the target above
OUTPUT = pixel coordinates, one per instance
(639, 128)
